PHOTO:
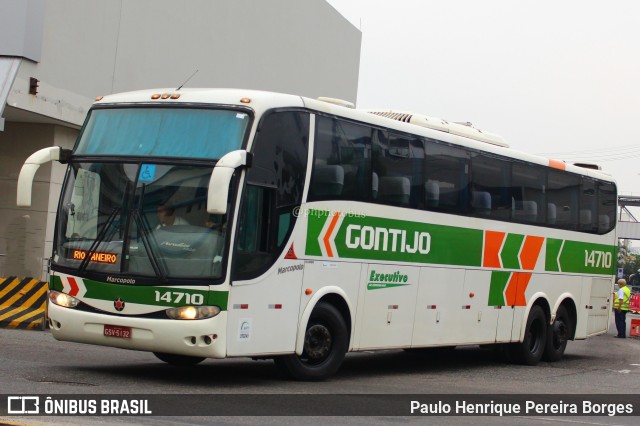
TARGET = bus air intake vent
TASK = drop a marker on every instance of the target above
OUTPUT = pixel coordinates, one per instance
(464, 129)
(399, 116)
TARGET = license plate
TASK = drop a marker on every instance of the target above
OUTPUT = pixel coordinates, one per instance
(117, 331)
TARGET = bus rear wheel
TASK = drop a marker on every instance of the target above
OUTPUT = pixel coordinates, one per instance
(326, 341)
(530, 351)
(180, 360)
(557, 336)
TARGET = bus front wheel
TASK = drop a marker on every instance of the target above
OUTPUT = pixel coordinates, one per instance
(181, 360)
(530, 351)
(326, 341)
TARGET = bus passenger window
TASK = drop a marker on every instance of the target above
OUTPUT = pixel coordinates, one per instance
(528, 183)
(562, 191)
(491, 191)
(398, 162)
(342, 164)
(608, 201)
(588, 206)
(446, 176)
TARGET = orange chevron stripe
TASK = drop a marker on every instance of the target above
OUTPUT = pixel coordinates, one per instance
(492, 243)
(327, 236)
(530, 252)
(514, 293)
(558, 164)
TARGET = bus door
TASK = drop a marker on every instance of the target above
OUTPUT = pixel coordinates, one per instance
(387, 316)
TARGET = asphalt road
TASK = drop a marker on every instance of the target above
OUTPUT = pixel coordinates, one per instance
(32, 362)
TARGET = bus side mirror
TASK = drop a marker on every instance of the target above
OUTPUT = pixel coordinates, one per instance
(221, 175)
(31, 166)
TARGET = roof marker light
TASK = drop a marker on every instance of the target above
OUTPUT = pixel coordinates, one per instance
(165, 96)
(155, 96)
(245, 100)
(175, 96)
(99, 98)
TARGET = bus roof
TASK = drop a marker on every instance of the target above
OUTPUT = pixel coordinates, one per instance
(419, 124)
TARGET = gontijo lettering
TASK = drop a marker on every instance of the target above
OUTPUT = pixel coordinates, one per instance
(387, 239)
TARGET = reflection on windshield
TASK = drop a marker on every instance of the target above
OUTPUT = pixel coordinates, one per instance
(140, 219)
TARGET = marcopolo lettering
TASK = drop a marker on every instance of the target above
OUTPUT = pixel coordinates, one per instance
(285, 269)
(387, 239)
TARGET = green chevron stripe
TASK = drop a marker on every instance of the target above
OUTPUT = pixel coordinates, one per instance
(499, 281)
(510, 251)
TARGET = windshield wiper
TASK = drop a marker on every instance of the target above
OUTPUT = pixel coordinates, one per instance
(143, 224)
(99, 239)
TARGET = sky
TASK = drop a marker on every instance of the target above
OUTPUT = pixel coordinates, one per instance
(555, 78)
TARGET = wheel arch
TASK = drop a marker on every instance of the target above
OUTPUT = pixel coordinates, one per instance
(336, 297)
(538, 299)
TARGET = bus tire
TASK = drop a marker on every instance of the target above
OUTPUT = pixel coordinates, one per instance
(558, 334)
(180, 360)
(530, 351)
(326, 342)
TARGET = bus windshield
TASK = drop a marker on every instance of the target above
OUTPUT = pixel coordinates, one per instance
(146, 220)
(163, 132)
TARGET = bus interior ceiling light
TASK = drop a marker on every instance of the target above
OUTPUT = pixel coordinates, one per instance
(193, 312)
(62, 299)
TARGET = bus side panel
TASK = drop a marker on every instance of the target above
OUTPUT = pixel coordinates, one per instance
(480, 320)
(263, 313)
(437, 319)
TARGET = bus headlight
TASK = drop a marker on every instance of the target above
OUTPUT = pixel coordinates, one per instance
(62, 299)
(193, 312)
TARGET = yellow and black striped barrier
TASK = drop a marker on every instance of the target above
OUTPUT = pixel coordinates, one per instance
(22, 303)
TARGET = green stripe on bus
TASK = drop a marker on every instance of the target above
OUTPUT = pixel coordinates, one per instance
(377, 238)
(511, 250)
(146, 295)
(575, 256)
(499, 281)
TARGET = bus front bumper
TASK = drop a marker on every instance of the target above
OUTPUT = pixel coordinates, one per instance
(198, 338)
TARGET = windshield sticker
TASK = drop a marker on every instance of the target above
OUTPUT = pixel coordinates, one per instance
(147, 173)
(244, 332)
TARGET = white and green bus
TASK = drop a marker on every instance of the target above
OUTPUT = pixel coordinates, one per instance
(215, 223)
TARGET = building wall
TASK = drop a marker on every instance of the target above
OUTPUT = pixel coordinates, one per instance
(96, 47)
(22, 231)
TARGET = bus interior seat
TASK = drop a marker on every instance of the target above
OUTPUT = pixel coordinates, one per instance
(525, 210)
(604, 223)
(394, 189)
(585, 217)
(551, 213)
(481, 202)
(374, 185)
(328, 180)
(432, 193)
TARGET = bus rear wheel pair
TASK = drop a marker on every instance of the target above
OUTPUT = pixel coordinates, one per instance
(541, 340)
